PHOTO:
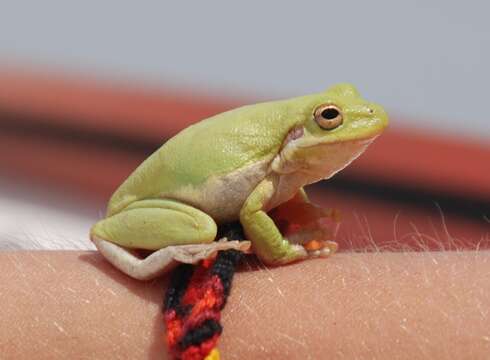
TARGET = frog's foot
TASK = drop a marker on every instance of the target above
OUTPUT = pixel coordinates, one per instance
(314, 242)
(311, 249)
(163, 260)
(320, 248)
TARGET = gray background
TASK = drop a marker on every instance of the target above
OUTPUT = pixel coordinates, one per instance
(425, 60)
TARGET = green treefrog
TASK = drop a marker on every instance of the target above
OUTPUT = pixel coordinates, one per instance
(234, 166)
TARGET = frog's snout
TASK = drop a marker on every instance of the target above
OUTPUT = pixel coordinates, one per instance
(379, 113)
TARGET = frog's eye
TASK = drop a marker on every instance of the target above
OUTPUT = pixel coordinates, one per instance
(328, 117)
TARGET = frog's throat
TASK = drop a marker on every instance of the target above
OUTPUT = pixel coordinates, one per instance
(319, 161)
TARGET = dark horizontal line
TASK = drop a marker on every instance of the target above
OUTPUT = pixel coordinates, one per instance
(42, 127)
(36, 126)
(474, 209)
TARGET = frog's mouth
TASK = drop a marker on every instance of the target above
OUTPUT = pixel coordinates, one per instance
(296, 138)
(366, 139)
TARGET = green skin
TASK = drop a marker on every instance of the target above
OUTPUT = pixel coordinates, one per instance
(238, 165)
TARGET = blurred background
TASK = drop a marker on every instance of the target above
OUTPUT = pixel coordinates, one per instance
(89, 89)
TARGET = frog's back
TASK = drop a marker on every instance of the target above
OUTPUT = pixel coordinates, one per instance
(214, 147)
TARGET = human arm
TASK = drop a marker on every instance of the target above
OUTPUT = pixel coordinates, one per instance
(74, 304)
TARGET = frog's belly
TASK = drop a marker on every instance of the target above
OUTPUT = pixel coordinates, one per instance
(222, 197)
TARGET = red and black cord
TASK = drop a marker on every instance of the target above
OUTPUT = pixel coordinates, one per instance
(194, 300)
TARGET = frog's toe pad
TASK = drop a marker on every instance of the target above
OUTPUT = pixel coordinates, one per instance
(163, 260)
(319, 248)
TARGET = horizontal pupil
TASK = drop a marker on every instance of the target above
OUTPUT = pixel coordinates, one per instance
(330, 113)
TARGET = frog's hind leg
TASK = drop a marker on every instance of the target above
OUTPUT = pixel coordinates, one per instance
(180, 231)
(155, 224)
(163, 260)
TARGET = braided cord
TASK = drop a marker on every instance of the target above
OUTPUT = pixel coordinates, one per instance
(193, 303)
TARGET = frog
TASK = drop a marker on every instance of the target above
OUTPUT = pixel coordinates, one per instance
(235, 166)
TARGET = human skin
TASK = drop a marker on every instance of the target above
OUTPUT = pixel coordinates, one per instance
(64, 305)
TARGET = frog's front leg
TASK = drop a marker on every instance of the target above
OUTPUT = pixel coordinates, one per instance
(267, 241)
(177, 231)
